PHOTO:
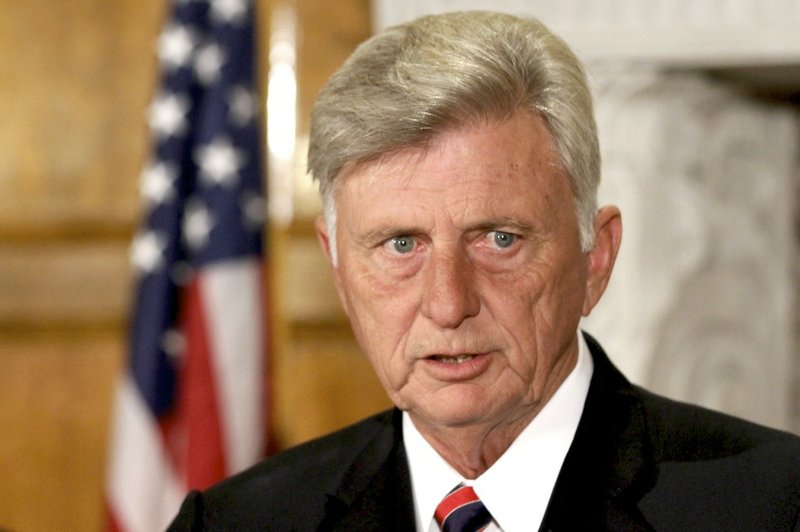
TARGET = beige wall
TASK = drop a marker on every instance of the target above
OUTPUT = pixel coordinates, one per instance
(76, 77)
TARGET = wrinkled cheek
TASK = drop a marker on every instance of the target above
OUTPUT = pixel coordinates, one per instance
(382, 315)
(394, 375)
(560, 303)
(382, 341)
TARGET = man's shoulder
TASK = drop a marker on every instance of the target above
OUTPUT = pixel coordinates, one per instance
(318, 462)
(710, 463)
(683, 431)
(292, 489)
(678, 431)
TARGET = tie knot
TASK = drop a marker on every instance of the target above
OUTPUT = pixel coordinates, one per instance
(462, 511)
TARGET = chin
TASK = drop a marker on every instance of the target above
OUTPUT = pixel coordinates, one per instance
(461, 419)
(463, 413)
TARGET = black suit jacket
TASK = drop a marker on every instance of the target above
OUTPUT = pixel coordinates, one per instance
(638, 462)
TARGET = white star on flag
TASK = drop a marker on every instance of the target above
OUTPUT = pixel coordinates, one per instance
(147, 252)
(242, 105)
(158, 180)
(197, 224)
(228, 11)
(167, 116)
(175, 46)
(173, 343)
(219, 161)
(253, 209)
(208, 63)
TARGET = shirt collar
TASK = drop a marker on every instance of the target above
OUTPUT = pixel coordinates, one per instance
(517, 488)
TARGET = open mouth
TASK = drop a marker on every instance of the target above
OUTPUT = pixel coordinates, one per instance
(458, 367)
(450, 359)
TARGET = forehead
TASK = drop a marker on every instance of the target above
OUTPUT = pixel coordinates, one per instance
(515, 158)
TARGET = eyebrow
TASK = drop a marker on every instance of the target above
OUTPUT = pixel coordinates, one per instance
(383, 234)
(503, 221)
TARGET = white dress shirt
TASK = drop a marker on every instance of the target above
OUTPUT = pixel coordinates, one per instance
(516, 489)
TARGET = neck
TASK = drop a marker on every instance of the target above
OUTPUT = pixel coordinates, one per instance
(472, 450)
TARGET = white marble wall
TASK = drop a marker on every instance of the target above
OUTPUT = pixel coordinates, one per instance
(701, 303)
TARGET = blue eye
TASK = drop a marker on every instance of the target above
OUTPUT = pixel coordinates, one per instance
(503, 239)
(403, 244)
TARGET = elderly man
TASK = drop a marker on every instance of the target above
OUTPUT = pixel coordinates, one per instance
(458, 162)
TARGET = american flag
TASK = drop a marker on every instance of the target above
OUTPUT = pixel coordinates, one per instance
(189, 409)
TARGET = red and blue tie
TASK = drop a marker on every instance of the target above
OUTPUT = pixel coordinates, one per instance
(462, 511)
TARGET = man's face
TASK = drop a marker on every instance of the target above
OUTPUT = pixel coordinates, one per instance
(461, 270)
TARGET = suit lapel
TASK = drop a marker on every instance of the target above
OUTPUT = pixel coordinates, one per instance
(610, 464)
(375, 491)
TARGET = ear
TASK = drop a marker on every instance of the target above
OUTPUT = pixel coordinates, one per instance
(321, 228)
(324, 237)
(608, 235)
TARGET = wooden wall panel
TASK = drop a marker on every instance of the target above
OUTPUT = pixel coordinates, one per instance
(55, 400)
(57, 283)
(323, 383)
(76, 77)
(327, 36)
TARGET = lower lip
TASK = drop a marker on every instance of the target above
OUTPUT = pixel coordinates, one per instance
(455, 372)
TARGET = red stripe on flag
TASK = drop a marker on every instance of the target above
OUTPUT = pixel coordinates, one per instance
(205, 452)
(194, 434)
(111, 521)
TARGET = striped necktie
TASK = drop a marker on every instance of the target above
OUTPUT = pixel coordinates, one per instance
(462, 511)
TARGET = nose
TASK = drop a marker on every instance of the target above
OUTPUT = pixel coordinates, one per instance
(449, 294)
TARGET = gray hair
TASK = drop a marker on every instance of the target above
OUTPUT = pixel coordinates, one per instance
(406, 85)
